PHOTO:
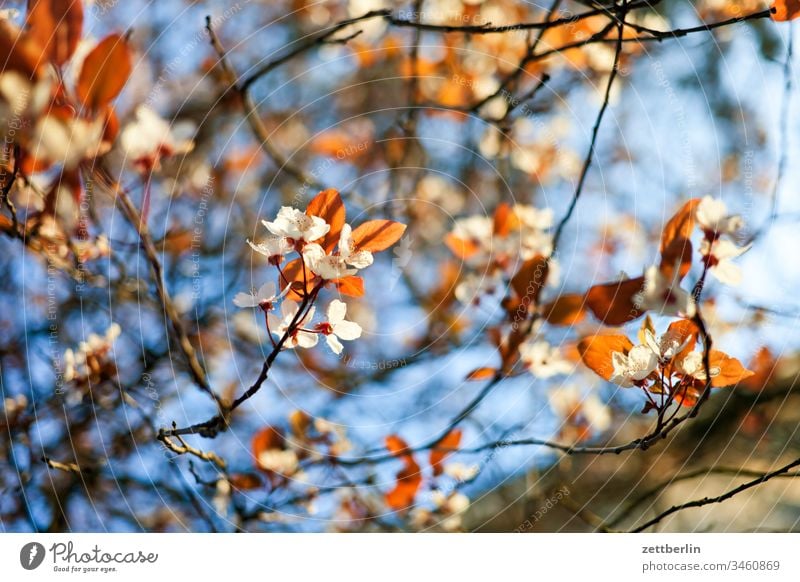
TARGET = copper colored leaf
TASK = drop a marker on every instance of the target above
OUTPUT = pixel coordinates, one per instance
(293, 275)
(245, 481)
(442, 449)
(680, 225)
(351, 286)
(681, 331)
(405, 490)
(763, 365)
(460, 247)
(266, 439)
(678, 252)
(377, 235)
(481, 374)
(104, 72)
(56, 26)
(731, 371)
(19, 52)
(328, 205)
(568, 309)
(504, 219)
(596, 352)
(612, 303)
(785, 10)
(408, 479)
(530, 279)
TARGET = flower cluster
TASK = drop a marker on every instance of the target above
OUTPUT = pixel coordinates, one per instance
(717, 247)
(331, 253)
(90, 363)
(667, 367)
(493, 247)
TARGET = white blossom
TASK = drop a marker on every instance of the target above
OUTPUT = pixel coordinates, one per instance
(297, 225)
(544, 360)
(357, 259)
(337, 327)
(149, 138)
(329, 267)
(721, 265)
(712, 216)
(692, 365)
(299, 337)
(263, 298)
(664, 295)
(274, 248)
(634, 366)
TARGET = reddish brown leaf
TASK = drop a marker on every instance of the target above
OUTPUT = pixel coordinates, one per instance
(763, 365)
(19, 52)
(56, 26)
(612, 303)
(678, 252)
(596, 352)
(397, 446)
(442, 449)
(409, 478)
(104, 72)
(351, 286)
(266, 439)
(680, 331)
(504, 219)
(377, 235)
(245, 481)
(328, 205)
(460, 247)
(568, 309)
(731, 371)
(680, 225)
(481, 374)
(785, 10)
(530, 279)
(405, 490)
(293, 274)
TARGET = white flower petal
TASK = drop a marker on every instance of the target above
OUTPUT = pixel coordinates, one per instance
(245, 300)
(347, 330)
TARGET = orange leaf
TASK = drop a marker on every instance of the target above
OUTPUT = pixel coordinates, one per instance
(104, 72)
(596, 352)
(408, 479)
(405, 490)
(763, 365)
(328, 205)
(530, 279)
(504, 219)
(680, 331)
(460, 247)
(19, 52)
(442, 449)
(680, 225)
(731, 371)
(481, 374)
(245, 481)
(678, 252)
(568, 309)
(397, 446)
(377, 235)
(612, 303)
(785, 10)
(57, 26)
(266, 439)
(293, 273)
(351, 286)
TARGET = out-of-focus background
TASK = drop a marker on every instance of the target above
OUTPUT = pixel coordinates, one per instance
(425, 126)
